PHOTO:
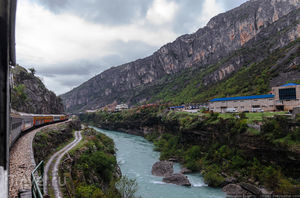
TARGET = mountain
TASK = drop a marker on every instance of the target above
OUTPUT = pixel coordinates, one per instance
(186, 69)
(29, 94)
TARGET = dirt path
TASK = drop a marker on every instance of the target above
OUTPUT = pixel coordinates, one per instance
(53, 166)
(22, 162)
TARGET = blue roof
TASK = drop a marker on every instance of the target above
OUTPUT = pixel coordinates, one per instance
(289, 84)
(243, 98)
(177, 107)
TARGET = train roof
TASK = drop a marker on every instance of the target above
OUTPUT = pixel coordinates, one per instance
(15, 113)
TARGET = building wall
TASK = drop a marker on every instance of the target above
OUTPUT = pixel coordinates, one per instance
(287, 105)
(267, 104)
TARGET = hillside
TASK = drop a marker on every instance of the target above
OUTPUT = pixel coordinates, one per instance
(30, 95)
(186, 70)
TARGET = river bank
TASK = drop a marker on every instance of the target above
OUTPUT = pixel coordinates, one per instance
(136, 155)
(224, 150)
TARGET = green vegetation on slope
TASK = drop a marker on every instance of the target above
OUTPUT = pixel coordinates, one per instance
(252, 79)
(49, 140)
(91, 169)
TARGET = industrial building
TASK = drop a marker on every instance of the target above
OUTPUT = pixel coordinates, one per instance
(282, 98)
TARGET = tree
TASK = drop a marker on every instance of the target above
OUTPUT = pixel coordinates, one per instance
(127, 187)
(19, 97)
(32, 71)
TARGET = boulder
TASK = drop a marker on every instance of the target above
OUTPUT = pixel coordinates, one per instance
(230, 180)
(251, 188)
(178, 179)
(162, 168)
(185, 170)
(234, 189)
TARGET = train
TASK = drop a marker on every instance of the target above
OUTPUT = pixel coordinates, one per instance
(22, 122)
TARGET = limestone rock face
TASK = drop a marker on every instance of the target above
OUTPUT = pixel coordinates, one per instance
(226, 33)
(178, 179)
(162, 168)
(30, 95)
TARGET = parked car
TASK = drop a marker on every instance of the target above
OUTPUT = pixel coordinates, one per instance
(257, 110)
(231, 110)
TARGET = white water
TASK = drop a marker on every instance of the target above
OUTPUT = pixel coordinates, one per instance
(136, 156)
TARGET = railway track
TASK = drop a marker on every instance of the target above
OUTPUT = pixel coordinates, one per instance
(22, 162)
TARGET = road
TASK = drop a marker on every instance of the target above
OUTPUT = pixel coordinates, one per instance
(53, 166)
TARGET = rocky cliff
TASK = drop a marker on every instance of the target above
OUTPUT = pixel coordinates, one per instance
(30, 95)
(207, 52)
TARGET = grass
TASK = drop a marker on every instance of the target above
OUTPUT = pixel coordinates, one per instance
(258, 117)
(251, 117)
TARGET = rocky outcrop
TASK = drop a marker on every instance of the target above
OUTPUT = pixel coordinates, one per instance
(251, 188)
(244, 189)
(30, 95)
(162, 168)
(185, 171)
(234, 189)
(178, 179)
(217, 41)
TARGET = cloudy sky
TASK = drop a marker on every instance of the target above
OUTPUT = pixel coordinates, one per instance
(70, 41)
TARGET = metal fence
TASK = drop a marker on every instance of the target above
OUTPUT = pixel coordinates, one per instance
(37, 181)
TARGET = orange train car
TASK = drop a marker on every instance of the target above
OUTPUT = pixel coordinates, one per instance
(43, 119)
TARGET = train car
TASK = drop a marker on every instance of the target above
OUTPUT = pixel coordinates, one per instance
(42, 119)
(21, 122)
(16, 128)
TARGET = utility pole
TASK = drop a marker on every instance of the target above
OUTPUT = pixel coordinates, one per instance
(7, 57)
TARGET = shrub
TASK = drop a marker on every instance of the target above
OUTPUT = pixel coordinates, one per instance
(212, 178)
(84, 191)
(271, 177)
(101, 162)
(192, 157)
(238, 162)
(127, 187)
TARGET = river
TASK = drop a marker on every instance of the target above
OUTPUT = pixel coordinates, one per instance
(136, 156)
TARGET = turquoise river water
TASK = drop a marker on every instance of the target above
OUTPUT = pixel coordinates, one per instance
(136, 156)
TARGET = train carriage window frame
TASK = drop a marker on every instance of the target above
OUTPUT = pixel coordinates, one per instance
(287, 94)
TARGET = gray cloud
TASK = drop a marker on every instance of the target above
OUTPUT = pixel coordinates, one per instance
(54, 5)
(119, 12)
(109, 12)
(81, 67)
(229, 4)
